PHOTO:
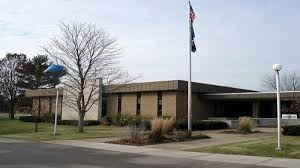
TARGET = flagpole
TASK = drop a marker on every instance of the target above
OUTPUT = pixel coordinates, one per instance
(190, 77)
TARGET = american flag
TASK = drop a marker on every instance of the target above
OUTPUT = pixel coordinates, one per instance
(192, 13)
(192, 33)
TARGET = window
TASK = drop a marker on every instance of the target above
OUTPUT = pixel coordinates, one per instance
(159, 104)
(104, 105)
(119, 103)
(138, 104)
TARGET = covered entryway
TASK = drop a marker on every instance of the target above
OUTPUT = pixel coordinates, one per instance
(252, 104)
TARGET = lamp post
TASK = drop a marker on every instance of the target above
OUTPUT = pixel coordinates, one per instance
(277, 68)
(56, 109)
(57, 71)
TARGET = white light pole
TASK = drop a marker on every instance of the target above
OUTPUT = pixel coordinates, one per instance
(56, 106)
(277, 68)
(57, 71)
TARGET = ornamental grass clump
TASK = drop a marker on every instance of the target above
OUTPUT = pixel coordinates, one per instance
(161, 127)
(245, 125)
(168, 126)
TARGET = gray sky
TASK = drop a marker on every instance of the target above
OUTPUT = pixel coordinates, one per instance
(237, 40)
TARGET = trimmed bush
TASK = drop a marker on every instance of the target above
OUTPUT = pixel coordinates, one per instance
(201, 125)
(45, 118)
(30, 119)
(292, 130)
(59, 121)
(245, 125)
(128, 120)
(75, 122)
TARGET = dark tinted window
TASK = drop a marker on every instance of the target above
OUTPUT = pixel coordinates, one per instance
(159, 104)
(138, 104)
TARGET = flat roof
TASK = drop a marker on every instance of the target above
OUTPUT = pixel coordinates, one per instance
(174, 85)
(251, 95)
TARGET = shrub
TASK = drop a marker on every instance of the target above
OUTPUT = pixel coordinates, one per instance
(30, 119)
(136, 133)
(147, 124)
(292, 130)
(125, 120)
(201, 125)
(120, 120)
(45, 118)
(107, 120)
(160, 127)
(59, 121)
(75, 122)
(156, 129)
(245, 125)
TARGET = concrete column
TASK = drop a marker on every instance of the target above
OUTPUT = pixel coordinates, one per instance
(256, 109)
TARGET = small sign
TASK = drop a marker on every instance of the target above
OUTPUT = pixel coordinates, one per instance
(289, 116)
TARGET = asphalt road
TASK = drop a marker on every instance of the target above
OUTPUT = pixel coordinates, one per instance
(20, 154)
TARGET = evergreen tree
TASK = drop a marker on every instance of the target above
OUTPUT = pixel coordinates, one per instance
(34, 76)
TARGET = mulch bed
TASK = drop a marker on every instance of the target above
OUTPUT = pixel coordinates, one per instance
(166, 139)
(243, 133)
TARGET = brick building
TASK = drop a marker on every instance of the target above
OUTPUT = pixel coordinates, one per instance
(168, 98)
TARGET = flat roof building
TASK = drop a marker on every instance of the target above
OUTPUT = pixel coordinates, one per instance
(169, 98)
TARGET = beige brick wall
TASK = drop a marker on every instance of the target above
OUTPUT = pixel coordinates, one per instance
(173, 104)
(68, 111)
(169, 104)
(149, 104)
(112, 105)
(128, 104)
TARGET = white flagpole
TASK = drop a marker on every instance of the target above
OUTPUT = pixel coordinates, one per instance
(190, 76)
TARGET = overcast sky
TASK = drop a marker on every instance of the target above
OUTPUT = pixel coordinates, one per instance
(237, 40)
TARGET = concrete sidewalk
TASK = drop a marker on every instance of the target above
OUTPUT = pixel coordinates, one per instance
(241, 159)
(218, 137)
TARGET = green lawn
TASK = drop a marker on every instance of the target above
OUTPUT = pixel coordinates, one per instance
(264, 147)
(23, 130)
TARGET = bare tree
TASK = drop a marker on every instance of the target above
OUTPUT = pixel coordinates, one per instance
(10, 78)
(269, 82)
(288, 81)
(88, 53)
(291, 81)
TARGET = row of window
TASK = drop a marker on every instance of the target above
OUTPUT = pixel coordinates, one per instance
(138, 104)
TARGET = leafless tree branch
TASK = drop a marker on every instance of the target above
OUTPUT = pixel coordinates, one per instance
(87, 53)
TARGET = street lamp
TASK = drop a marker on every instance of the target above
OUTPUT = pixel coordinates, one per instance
(56, 109)
(57, 71)
(277, 68)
